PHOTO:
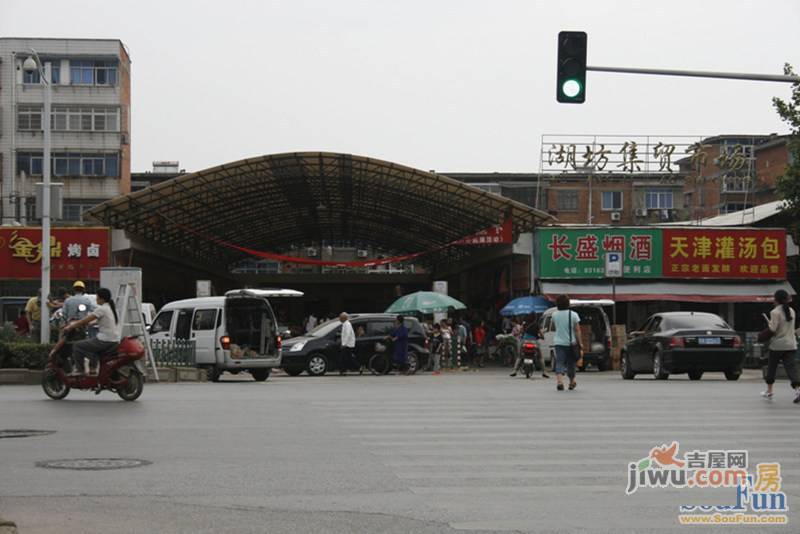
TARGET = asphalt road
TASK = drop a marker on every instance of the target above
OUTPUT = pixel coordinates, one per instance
(461, 452)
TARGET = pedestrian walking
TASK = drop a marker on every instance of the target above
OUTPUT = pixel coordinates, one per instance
(517, 330)
(436, 349)
(782, 345)
(479, 339)
(33, 312)
(567, 342)
(348, 345)
(400, 349)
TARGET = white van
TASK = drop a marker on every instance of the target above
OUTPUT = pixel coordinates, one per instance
(234, 333)
(592, 314)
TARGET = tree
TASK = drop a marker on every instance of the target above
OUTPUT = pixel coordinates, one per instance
(789, 184)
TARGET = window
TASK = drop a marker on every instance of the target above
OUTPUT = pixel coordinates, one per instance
(92, 72)
(732, 207)
(204, 320)
(687, 200)
(70, 164)
(76, 119)
(612, 200)
(735, 184)
(567, 200)
(29, 118)
(162, 322)
(379, 328)
(74, 209)
(33, 76)
(658, 200)
(85, 119)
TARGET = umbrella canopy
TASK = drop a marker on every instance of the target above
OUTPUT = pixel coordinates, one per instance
(526, 305)
(425, 302)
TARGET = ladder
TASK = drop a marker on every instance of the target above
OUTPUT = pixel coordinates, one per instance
(131, 322)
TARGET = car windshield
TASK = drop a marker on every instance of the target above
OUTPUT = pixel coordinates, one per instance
(693, 322)
(325, 328)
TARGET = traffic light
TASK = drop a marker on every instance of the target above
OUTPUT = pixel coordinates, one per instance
(571, 68)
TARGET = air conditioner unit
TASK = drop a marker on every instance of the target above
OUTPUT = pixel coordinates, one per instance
(311, 252)
(362, 253)
(616, 216)
(641, 212)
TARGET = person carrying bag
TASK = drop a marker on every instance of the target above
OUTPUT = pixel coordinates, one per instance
(569, 351)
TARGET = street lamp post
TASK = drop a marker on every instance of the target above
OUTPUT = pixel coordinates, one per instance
(34, 63)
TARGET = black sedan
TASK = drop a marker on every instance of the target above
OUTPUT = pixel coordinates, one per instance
(319, 351)
(683, 342)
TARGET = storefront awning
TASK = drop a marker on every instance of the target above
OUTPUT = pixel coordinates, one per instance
(671, 290)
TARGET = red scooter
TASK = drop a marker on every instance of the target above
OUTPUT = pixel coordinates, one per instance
(118, 371)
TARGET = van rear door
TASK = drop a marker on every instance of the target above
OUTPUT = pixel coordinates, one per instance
(251, 326)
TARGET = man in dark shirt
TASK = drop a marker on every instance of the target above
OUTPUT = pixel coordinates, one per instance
(400, 339)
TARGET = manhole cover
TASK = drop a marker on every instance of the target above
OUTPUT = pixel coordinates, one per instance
(24, 433)
(93, 464)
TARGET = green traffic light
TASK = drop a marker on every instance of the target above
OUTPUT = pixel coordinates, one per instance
(571, 88)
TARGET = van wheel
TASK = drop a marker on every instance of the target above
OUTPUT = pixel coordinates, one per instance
(695, 375)
(317, 365)
(259, 375)
(602, 365)
(213, 373)
(293, 371)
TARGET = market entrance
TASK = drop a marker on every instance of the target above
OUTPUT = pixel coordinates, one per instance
(345, 229)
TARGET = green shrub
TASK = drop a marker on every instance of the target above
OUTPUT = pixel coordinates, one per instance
(21, 354)
(8, 332)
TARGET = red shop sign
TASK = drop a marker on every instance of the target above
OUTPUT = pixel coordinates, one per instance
(75, 253)
(724, 253)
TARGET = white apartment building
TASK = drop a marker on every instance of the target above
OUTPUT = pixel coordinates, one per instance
(90, 124)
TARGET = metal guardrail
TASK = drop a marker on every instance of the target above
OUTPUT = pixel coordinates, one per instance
(173, 352)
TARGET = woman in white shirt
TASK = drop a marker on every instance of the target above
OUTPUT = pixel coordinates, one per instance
(783, 345)
(105, 318)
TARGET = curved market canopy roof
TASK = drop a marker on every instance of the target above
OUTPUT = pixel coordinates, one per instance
(274, 202)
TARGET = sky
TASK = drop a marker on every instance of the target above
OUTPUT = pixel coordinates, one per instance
(450, 85)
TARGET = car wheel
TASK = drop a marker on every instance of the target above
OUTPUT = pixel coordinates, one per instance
(602, 365)
(213, 373)
(695, 375)
(658, 367)
(733, 375)
(259, 375)
(317, 365)
(293, 371)
(379, 364)
(625, 367)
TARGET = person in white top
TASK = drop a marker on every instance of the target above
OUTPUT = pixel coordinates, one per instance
(348, 346)
(105, 318)
(782, 345)
(311, 322)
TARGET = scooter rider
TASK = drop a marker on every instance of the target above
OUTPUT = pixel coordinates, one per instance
(79, 305)
(107, 336)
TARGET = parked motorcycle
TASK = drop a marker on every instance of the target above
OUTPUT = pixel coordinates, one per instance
(118, 371)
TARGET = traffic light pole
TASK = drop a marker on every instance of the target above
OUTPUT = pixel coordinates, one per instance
(700, 74)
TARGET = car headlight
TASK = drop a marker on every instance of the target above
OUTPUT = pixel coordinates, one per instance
(297, 347)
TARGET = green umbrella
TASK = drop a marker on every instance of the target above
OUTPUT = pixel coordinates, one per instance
(425, 302)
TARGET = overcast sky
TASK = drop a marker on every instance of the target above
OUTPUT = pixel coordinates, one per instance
(448, 85)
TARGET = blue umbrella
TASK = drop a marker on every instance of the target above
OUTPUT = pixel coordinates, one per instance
(526, 305)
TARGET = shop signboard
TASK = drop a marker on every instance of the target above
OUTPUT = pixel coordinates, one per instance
(648, 252)
(75, 253)
(581, 252)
